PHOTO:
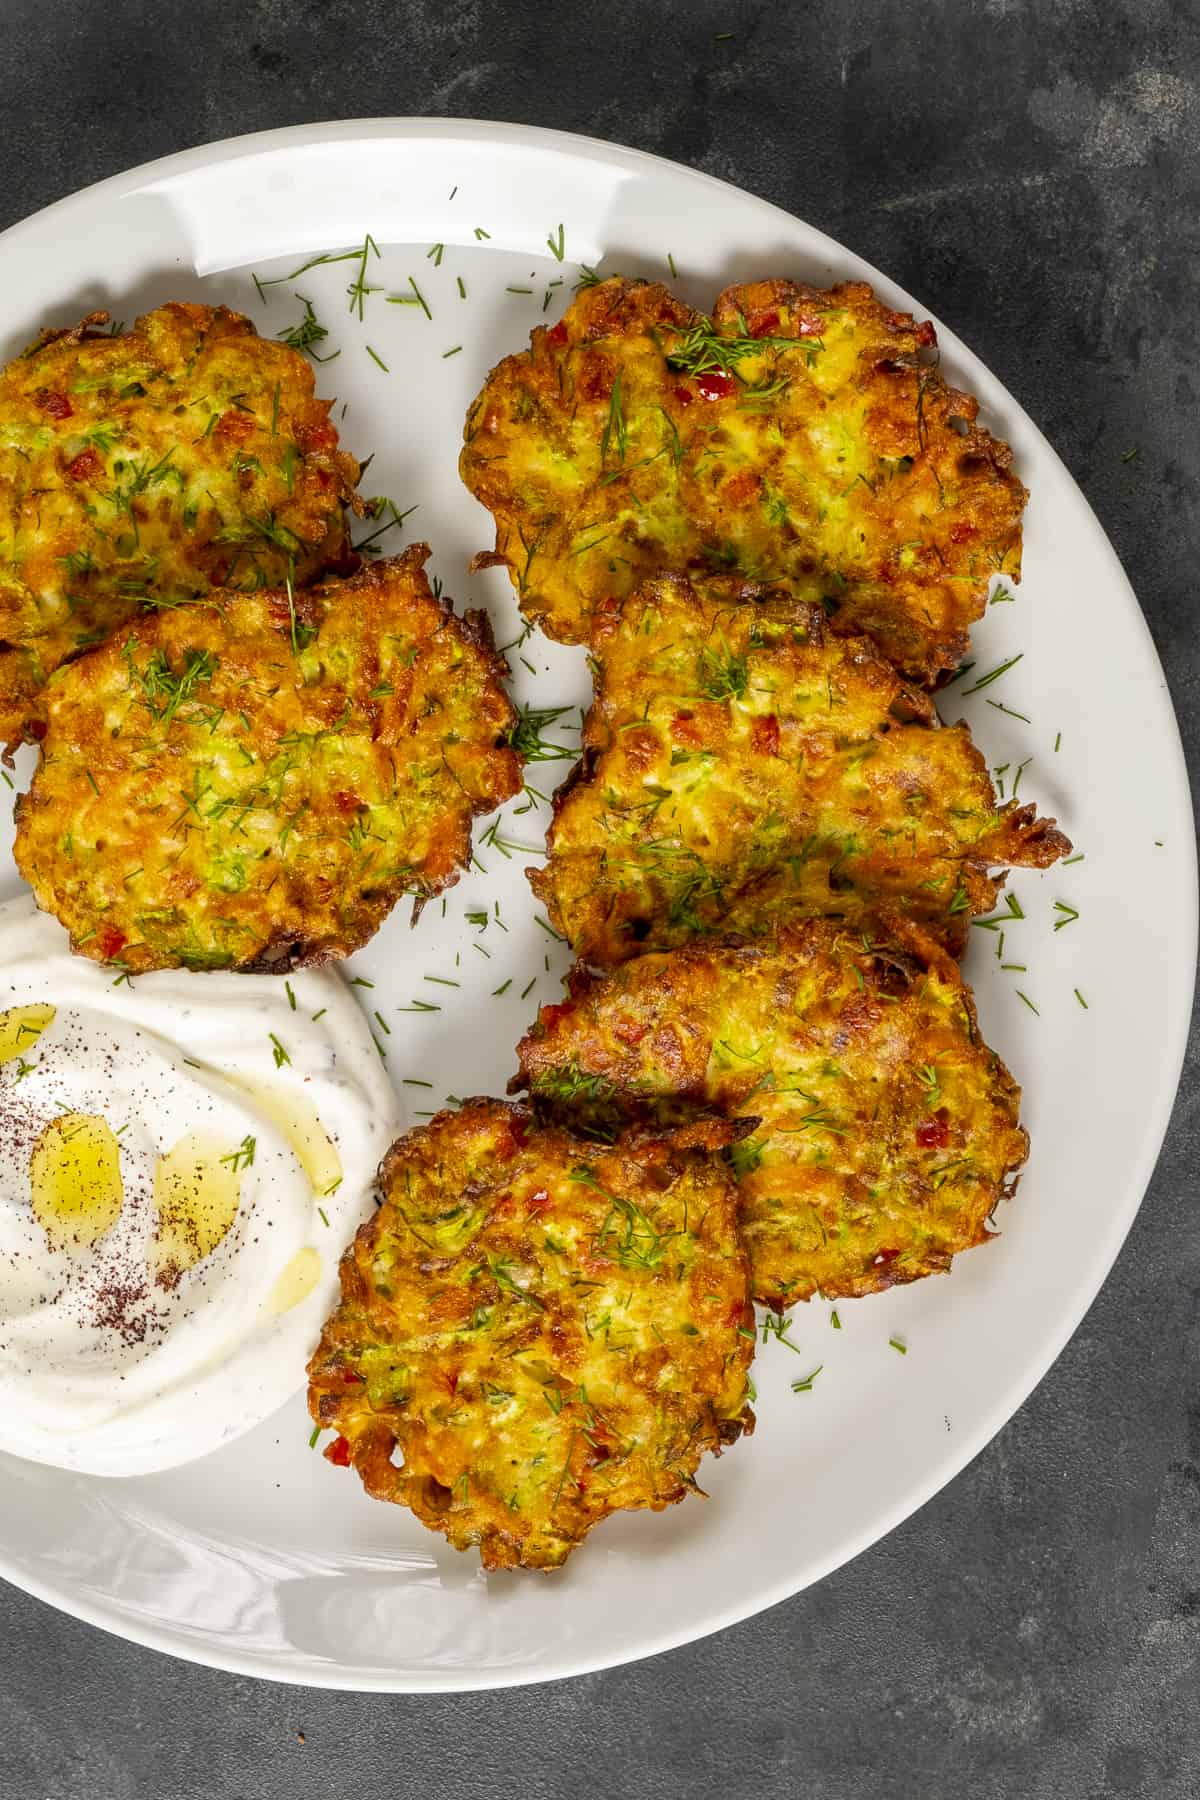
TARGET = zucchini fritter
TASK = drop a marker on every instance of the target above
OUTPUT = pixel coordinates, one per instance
(886, 1130)
(800, 435)
(742, 767)
(253, 780)
(146, 467)
(547, 1330)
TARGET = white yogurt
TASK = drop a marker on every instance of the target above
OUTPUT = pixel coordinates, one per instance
(183, 1157)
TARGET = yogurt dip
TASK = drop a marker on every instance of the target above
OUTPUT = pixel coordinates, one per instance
(183, 1158)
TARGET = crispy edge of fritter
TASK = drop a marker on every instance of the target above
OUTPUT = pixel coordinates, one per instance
(603, 1104)
(278, 955)
(1021, 839)
(337, 1395)
(621, 307)
(21, 715)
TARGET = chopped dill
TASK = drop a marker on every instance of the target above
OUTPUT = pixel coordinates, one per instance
(307, 332)
(993, 674)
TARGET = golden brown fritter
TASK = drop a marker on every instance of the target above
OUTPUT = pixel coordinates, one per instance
(145, 467)
(800, 435)
(546, 1330)
(885, 1129)
(742, 767)
(253, 780)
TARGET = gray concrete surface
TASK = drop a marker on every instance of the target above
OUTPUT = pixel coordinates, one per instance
(1033, 172)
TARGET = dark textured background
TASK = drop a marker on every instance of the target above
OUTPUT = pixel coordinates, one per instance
(1031, 169)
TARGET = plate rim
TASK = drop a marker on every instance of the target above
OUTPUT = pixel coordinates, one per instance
(1176, 1022)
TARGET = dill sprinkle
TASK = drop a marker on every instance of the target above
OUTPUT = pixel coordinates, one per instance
(993, 674)
(898, 1345)
(1081, 1000)
(1028, 1002)
(376, 358)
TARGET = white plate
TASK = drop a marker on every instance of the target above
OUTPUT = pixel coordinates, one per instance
(263, 1558)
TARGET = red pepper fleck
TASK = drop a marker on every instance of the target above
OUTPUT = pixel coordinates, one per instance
(538, 1201)
(346, 802)
(764, 735)
(319, 436)
(352, 1378)
(111, 941)
(960, 532)
(933, 1134)
(764, 324)
(629, 1032)
(808, 326)
(884, 1258)
(54, 403)
(338, 1453)
(597, 376)
(550, 1015)
(234, 427)
(715, 384)
(925, 333)
(85, 467)
(557, 335)
(685, 730)
(684, 395)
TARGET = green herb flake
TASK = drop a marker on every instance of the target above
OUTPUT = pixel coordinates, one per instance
(993, 674)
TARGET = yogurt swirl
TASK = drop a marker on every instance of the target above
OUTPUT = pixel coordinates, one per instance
(182, 1160)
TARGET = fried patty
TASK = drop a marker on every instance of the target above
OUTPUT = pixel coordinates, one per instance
(742, 766)
(799, 434)
(253, 780)
(545, 1330)
(146, 467)
(885, 1132)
